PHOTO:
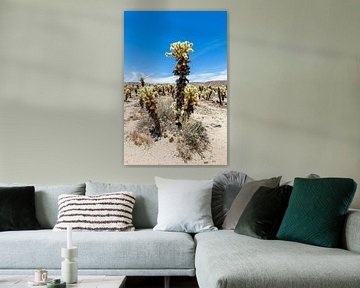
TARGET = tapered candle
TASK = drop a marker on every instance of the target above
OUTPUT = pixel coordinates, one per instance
(69, 237)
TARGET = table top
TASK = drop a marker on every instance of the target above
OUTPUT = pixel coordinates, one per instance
(84, 281)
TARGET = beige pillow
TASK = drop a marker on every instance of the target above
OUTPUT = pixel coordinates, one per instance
(243, 198)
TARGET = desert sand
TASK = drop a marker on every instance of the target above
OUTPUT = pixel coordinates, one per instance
(164, 151)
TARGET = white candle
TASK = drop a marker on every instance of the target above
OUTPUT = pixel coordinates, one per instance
(69, 239)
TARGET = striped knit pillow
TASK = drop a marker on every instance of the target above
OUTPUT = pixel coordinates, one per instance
(105, 212)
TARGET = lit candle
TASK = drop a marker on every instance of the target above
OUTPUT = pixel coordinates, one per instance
(69, 240)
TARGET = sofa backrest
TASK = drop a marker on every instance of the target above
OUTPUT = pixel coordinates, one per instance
(146, 203)
(46, 200)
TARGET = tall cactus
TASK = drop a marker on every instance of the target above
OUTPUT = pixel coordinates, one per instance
(141, 100)
(149, 96)
(221, 90)
(127, 91)
(180, 51)
(142, 81)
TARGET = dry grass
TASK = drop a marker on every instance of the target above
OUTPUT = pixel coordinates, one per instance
(140, 138)
(193, 139)
(136, 116)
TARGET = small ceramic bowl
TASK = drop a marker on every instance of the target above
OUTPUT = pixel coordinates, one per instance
(56, 283)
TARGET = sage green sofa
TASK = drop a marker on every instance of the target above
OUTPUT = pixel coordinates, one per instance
(219, 259)
(224, 259)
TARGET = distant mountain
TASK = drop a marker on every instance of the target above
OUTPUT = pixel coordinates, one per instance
(211, 83)
(132, 83)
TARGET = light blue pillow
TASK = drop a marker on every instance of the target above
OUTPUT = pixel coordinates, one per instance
(184, 205)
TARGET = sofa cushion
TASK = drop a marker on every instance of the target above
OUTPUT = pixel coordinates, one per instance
(243, 198)
(137, 250)
(225, 189)
(225, 259)
(17, 208)
(46, 200)
(146, 205)
(105, 212)
(184, 205)
(263, 214)
(317, 209)
(350, 239)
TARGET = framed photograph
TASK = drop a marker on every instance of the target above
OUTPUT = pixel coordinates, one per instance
(175, 88)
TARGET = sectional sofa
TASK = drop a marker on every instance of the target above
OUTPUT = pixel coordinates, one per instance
(219, 259)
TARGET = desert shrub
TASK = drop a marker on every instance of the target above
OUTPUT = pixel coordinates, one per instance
(192, 139)
(144, 123)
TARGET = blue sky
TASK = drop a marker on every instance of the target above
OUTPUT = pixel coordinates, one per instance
(148, 35)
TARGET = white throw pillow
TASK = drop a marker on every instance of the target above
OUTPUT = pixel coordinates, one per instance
(104, 212)
(184, 205)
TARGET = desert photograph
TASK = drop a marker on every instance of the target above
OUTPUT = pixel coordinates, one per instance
(175, 88)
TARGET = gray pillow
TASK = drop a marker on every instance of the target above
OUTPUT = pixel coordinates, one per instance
(243, 198)
(310, 176)
(46, 200)
(226, 187)
(146, 206)
(184, 205)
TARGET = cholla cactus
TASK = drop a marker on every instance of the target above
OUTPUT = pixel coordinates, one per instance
(171, 89)
(207, 93)
(149, 97)
(180, 51)
(221, 90)
(191, 99)
(127, 92)
(141, 100)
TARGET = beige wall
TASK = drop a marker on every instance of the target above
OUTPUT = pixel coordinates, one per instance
(294, 76)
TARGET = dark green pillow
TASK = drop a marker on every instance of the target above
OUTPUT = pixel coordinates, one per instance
(264, 212)
(316, 211)
(17, 208)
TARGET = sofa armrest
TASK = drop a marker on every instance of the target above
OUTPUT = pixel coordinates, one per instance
(351, 234)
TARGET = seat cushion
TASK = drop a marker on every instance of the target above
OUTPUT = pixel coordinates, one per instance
(143, 249)
(226, 259)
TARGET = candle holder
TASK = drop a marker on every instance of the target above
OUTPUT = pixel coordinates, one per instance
(69, 271)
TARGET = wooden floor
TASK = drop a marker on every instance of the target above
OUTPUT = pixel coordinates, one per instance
(158, 282)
